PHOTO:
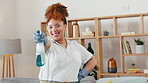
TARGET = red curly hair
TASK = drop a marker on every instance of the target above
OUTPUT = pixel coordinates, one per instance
(56, 11)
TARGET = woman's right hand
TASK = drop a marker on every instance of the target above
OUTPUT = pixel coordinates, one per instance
(40, 37)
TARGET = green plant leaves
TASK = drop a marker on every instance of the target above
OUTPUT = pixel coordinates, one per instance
(139, 42)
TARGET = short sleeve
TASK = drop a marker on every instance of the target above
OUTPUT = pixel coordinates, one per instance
(85, 55)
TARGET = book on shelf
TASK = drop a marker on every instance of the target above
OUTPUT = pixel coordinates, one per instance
(129, 47)
(87, 34)
(128, 33)
(126, 47)
(123, 47)
(133, 71)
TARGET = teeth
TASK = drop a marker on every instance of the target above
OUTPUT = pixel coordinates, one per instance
(55, 34)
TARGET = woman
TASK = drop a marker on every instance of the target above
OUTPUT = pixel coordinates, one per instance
(63, 57)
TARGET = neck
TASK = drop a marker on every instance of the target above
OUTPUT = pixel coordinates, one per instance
(63, 42)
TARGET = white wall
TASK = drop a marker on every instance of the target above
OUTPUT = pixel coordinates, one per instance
(7, 19)
(27, 14)
(7, 22)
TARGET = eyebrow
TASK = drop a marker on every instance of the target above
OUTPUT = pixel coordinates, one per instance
(55, 24)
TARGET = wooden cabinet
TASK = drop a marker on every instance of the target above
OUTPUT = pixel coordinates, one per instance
(98, 40)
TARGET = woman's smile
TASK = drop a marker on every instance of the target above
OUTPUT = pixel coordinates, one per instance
(56, 34)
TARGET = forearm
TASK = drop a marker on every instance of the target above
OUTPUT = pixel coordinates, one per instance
(47, 46)
(87, 68)
(91, 64)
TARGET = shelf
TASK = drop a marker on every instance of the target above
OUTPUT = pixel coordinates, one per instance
(82, 19)
(73, 38)
(81, 38)
(135, 73)
(119, 73)
(134, 54)
(43, 22)
(116, 36)
(109, 17)
(123, 16)
(87, 37)
(134, 35)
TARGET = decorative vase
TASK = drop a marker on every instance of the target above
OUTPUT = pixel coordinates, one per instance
(90, 48)
(76, 30)
(139, 49)
(112, 67)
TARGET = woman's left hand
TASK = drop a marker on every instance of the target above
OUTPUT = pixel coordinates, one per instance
(82, 74)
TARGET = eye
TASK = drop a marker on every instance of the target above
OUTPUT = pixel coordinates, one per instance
(57, 25)
(50, 27)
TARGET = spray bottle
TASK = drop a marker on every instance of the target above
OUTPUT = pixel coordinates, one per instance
(40, 54)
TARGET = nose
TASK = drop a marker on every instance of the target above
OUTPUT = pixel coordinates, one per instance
(54, 29)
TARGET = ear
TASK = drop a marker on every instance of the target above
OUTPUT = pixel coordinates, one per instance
(65, 25)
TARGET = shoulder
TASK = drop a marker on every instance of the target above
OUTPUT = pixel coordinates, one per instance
(75, 44)
(72, 42)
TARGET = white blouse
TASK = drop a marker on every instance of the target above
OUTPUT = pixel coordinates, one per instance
(63, 64)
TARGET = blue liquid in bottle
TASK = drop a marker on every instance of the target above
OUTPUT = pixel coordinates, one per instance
(39, 61)
(40, 55)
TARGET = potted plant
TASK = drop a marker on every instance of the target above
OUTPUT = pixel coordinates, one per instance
(133, 65)
(139, 45)
(105, 33)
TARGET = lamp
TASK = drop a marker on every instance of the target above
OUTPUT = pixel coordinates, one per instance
(8, 47)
